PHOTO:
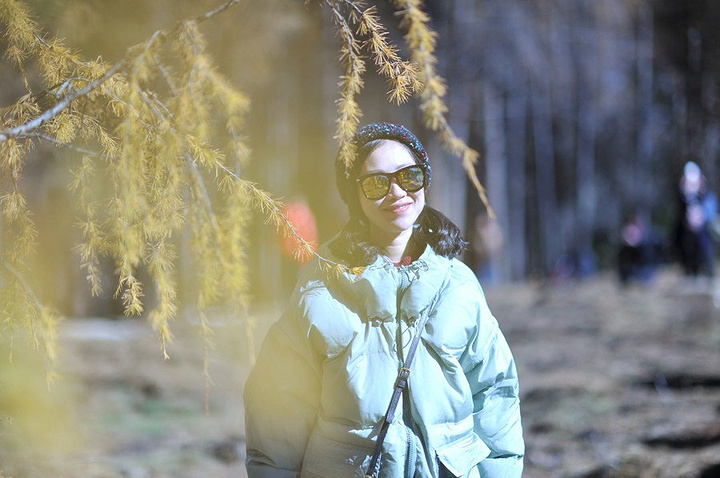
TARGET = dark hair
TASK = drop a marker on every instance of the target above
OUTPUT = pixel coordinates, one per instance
(353, 247)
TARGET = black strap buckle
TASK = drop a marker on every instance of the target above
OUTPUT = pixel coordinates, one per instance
(402, 378)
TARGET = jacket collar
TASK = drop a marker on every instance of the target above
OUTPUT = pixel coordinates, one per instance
(373, 292)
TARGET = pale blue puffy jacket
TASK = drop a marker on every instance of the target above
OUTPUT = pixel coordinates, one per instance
(326, 371)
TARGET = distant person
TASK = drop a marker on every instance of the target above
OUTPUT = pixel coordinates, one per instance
(638, 252)
(697, 207)
(395, 363)
(486, 246)
(293, 257)
(298, 212)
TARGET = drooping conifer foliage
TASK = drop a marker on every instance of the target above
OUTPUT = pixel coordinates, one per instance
(165, 130)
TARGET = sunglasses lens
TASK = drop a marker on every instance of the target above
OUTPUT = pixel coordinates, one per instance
(375, 186)
(411, 179)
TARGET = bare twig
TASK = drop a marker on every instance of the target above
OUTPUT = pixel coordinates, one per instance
(66, 85)
(205, 196)
(57, 142)
(29, 127)
(23, 283)
(220, 9)
(287, 224)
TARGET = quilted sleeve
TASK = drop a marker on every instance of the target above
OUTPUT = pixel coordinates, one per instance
(496, 405)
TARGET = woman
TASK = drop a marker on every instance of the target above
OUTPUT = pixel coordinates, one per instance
(323, 381)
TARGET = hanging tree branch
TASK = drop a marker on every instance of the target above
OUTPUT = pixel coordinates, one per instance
(143, 157)
(351, 84)
(421, 40)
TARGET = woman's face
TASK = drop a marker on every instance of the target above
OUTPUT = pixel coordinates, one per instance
(396, 212)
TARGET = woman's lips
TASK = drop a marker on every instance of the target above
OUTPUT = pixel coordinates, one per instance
(399, 208)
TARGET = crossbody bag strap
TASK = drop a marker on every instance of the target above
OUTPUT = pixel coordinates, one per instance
(400, 384)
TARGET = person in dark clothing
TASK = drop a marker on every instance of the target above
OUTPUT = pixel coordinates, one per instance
(639, 251)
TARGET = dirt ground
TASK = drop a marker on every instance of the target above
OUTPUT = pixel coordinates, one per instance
(615, 383)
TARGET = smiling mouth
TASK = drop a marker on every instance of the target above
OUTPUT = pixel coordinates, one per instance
(399, 209)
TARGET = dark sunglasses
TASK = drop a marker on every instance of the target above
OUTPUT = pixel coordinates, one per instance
(377, 185)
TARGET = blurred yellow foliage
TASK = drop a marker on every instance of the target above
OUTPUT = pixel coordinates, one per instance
(36, 420)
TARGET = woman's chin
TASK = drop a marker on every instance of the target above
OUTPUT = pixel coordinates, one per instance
(400, 226)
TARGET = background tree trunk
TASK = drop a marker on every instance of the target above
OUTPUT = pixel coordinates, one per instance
(496, 176)
(548, 220)
(586, 194)
(516, 114)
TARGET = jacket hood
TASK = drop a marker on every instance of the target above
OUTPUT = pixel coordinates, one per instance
(375, 291)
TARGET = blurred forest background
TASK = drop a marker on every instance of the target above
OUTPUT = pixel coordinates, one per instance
(584, 113)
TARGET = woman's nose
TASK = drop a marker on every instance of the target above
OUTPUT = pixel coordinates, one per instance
(395, 190)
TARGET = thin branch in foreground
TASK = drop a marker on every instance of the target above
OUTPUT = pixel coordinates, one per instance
(60, 144)
(219, 9)
(285, 225)
(24, 284)
(45, 116)
(29, 127)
